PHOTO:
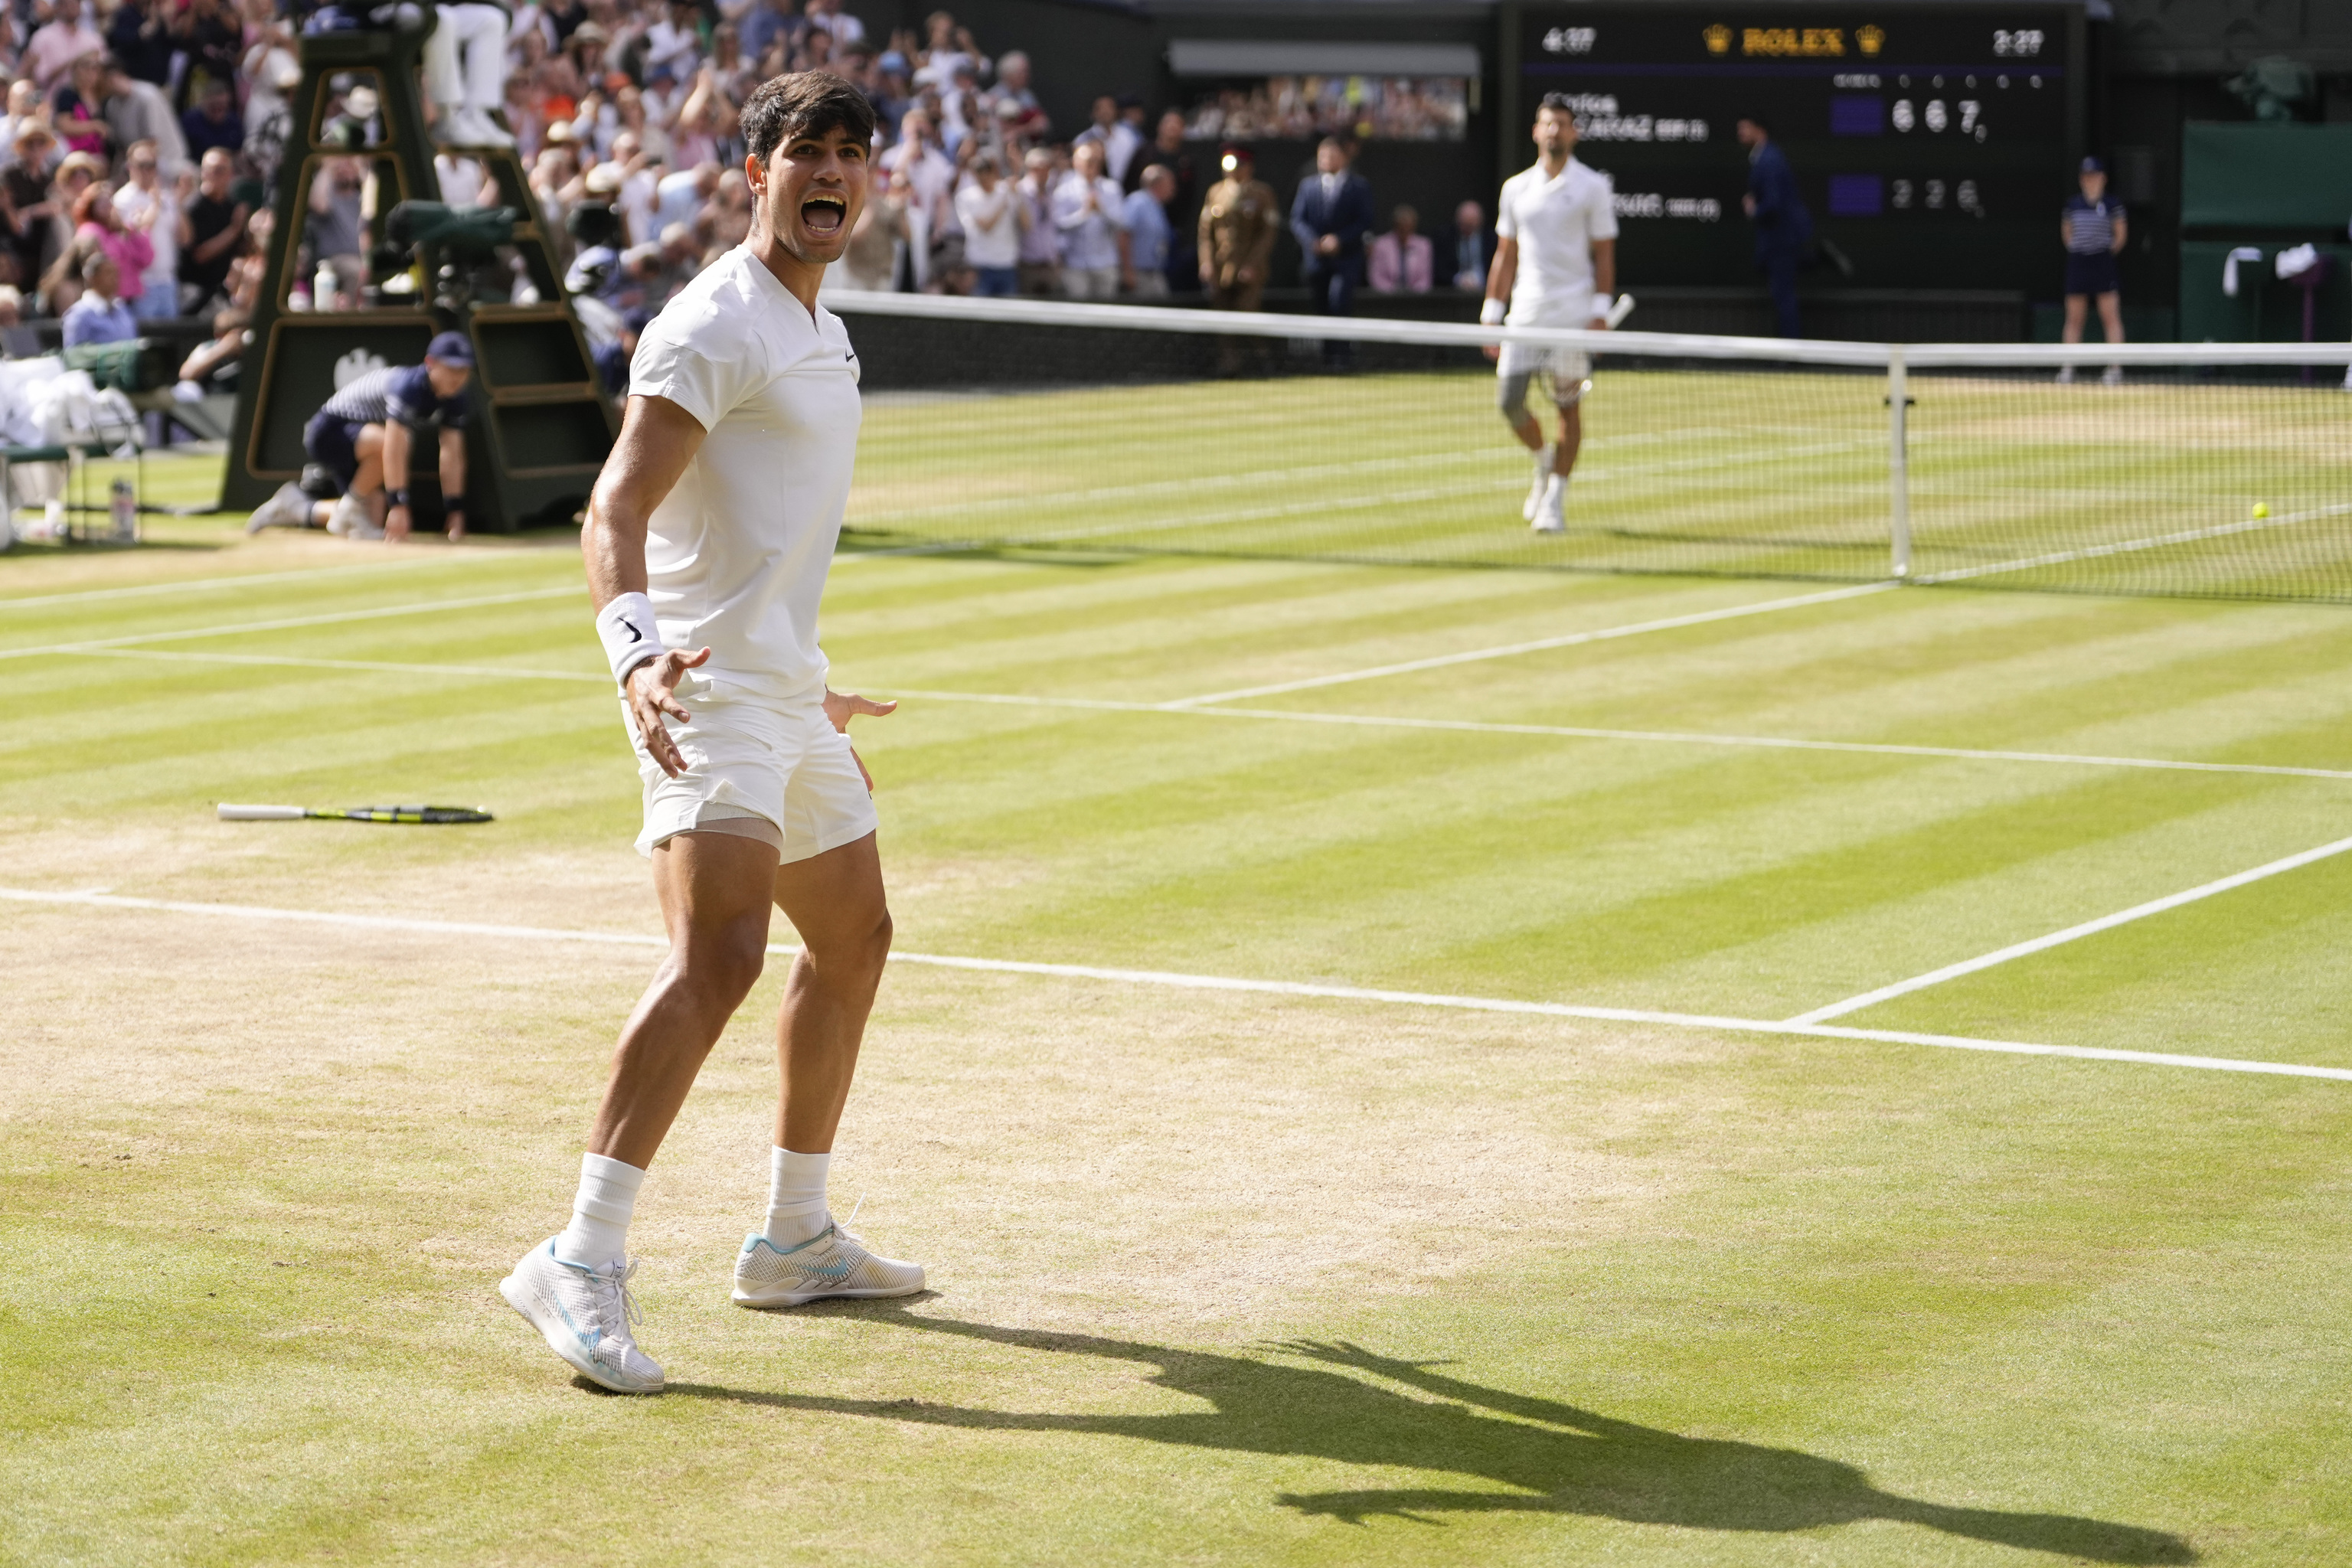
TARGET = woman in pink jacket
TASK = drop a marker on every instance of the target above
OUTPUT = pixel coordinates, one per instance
(97, 225)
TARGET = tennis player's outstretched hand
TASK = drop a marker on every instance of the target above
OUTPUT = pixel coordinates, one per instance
(841, 707)
(652, 687)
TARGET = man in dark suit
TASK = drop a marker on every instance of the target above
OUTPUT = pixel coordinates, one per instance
(1332, 217)
(1784, 229)
(1471, 249)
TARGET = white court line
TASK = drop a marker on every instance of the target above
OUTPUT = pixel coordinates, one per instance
(377, 666)
(1210, 983)
(1368, 720)
(196, 585)
(290, 622)
(1417, 462)
(2072, 934)
(1571, 639)
(1662, 737)
(2128, 546)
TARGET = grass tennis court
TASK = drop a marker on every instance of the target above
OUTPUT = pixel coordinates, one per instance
(1219, 1275)
(1740, 468)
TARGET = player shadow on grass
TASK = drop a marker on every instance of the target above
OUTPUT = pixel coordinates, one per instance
(1559, 1458)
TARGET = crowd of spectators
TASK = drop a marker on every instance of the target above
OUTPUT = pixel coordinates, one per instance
(134, 154)
(144, 139)
(976, 191)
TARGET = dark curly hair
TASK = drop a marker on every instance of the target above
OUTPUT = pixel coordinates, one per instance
(804, 103)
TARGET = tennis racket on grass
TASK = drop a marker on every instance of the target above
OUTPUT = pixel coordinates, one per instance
(429, 814)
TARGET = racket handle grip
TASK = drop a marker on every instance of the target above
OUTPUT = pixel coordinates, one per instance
(260, 813)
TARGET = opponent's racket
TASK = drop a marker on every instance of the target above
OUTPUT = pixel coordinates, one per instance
(1619, 308)
(433, 815)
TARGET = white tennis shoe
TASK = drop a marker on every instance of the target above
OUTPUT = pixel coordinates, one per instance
(351, 520)
(1552, 509)
(1535, 491)
(833, 1263)
(585, 1315)
(289, 508)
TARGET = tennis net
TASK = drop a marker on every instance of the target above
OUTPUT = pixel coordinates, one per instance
(2206, 470)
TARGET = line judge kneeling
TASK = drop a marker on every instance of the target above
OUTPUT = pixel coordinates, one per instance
(361, 443)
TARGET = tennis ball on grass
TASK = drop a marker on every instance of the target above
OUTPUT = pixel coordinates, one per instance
(2262, 509)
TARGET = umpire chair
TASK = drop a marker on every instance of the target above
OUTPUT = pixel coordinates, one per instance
(540, 424)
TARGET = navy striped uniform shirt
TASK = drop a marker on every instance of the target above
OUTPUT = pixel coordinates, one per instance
(401, 393)
(2091, 226)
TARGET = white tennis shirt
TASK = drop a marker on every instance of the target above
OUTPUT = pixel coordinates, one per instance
(737, 552)
(1555, 222)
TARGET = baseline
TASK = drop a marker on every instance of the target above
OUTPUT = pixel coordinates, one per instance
(1540, 645)
(1213, 983)
(2072, 934)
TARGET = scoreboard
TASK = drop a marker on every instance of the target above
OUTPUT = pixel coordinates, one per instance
(1935, 143)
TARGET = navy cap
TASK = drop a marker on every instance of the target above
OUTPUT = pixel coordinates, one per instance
(451, 348)
(2093, 166)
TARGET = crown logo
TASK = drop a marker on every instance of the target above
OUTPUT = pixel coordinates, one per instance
(1719, 39)
(1871, 39)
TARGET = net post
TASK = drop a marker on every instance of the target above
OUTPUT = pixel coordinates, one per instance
(1898, 461)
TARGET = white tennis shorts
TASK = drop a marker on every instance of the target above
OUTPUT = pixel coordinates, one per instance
(784, 764)
(1519, 364)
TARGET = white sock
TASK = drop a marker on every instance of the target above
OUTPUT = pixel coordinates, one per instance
(599, 1231)
(796, 1197)
(1543, 459)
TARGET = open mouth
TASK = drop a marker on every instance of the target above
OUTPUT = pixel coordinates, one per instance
(824, 214)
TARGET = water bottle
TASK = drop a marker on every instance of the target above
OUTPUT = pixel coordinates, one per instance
(123, 505)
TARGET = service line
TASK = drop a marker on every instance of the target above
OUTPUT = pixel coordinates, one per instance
(1176, 981)
(2072, 934)
(1539, 645)
(290, 622)
(1285, 715)
(198, 584)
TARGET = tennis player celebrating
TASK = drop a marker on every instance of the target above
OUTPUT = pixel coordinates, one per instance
(1555, 265)
(711, 531)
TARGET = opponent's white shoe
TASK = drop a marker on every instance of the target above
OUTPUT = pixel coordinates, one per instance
(584, 1314)
(1551, 510)
(832, 1263)
(289, 508)
(1535, 491)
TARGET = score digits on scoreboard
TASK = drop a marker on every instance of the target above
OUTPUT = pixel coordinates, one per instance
(1914, 117)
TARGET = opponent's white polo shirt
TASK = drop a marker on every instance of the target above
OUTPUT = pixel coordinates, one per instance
(738, 553)
(1555, 222)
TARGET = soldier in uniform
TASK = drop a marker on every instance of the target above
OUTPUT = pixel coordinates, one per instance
(1238, 221)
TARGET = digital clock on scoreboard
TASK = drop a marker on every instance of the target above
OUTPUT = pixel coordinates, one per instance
(1935, 143)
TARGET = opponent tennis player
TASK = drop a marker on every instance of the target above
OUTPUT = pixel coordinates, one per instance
(1555, 265)
(707, 542)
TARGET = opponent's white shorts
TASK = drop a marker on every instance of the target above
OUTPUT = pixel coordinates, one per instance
(780, 772)
(1568, 370)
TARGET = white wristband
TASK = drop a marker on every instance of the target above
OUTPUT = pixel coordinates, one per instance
(1600, 307)
(1490, 314)
(628, 631)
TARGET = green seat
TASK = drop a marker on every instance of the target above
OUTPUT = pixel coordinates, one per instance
(135, 366)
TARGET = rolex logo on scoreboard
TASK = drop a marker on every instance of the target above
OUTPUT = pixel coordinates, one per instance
(1719, 39)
